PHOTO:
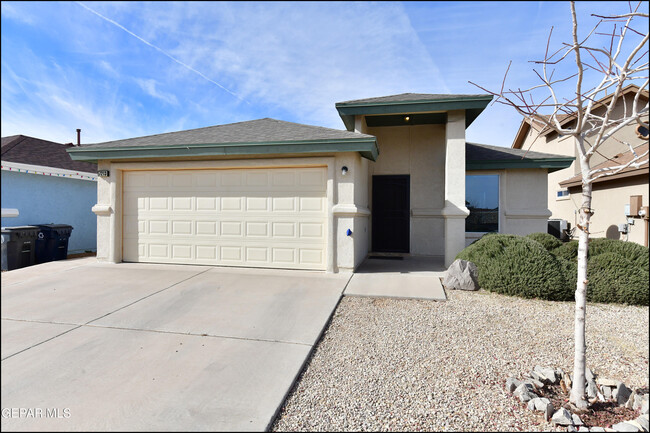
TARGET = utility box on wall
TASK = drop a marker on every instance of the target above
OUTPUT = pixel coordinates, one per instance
(635, 204)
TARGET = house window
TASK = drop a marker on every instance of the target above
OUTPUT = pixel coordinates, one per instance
(562, 194)
(482, 200)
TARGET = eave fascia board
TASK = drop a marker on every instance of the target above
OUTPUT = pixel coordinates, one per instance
(550, 164)
(366, 147)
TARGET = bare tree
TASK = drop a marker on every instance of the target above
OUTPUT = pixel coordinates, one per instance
(575, 116)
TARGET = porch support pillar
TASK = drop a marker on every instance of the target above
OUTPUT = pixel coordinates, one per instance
(454, 211)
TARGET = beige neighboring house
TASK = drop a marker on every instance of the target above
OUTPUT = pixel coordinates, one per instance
(617, 198)
(400, 179)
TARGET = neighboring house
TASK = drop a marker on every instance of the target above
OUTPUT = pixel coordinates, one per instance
(269, 193)
(611, 194)
(46, 186)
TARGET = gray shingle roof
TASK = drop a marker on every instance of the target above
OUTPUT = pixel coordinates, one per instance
(485, 152)
(253, 131)
(34, 151)
(411, 97)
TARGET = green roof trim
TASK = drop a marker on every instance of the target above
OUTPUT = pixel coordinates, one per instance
(552, 164)
(366, 147)
(472, 104)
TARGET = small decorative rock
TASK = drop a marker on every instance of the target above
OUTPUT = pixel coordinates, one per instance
(512, 384)
(592, 389)
(547, 374)
(607, 392)
(461, 275)
(597, 429)
(548, 411)
(589, 375)
(562, 417)
(621, 394)
(625, 426)
(524, 392)
(643, 422)
(607, 382)
(576, 419)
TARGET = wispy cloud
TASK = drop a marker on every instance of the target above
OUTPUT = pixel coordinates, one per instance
(160, 50)
(149, 86)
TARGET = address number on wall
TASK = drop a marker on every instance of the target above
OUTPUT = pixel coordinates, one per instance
(103, 173)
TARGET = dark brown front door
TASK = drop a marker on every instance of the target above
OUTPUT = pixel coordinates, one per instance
(390, 213)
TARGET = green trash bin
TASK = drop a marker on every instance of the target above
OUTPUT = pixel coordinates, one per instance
(20, 245)
(52, 242)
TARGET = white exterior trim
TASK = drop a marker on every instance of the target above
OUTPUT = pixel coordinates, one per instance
(48, 171)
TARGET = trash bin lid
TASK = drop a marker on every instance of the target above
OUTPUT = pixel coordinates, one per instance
(22, 231)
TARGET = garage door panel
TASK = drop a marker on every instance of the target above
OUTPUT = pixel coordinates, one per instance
(253, 217)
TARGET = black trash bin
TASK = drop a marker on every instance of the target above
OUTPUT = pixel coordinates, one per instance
(20, 244)
(52, 242)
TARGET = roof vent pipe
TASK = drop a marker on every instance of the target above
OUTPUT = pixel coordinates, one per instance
(78, 137)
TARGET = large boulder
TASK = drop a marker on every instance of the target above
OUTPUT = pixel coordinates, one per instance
(461, 275)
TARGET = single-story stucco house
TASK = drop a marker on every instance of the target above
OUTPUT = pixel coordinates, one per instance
(269, 193)
(45, 186)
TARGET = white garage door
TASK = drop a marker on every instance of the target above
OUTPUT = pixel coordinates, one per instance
(242, 217)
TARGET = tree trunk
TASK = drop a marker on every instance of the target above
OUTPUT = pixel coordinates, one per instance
(578, 387)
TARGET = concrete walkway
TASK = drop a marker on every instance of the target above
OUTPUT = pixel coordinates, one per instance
(156, 347)
(411, 277)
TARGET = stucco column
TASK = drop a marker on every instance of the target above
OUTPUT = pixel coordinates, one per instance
(454, 211)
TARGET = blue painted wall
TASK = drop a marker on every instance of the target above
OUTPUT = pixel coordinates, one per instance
(48, 199)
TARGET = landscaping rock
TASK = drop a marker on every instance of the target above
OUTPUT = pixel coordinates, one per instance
(562, 417)
(571, 429)
(539, 404)
(524, 392)
(547, 374)
(461, 275)
(597, 429)
(589, 375)
(621, 394)
(512, 384)
(607, 392)
(643, 422)
(625, 426)
(592, 389)
(576, 419)
(548, 411)
(607, 382)
(630, 401)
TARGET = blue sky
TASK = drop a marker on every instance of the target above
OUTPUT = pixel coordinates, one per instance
(125, 69)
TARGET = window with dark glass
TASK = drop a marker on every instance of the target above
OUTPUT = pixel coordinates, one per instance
(482, 200)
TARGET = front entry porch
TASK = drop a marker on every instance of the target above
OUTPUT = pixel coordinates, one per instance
(405, 276)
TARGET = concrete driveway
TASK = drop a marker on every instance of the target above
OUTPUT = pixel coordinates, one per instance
(89, 346)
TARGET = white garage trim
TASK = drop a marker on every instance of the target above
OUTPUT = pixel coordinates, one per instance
(114, 222)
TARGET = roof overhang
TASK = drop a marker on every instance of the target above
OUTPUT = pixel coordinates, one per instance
(577, 180)
(473, 106)
(551, 164)
(42, 170)
(367, 147)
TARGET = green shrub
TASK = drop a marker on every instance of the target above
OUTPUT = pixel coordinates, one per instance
(614, 278)
(548, 241)
(517, 266)
(567, 251)
(635, 253)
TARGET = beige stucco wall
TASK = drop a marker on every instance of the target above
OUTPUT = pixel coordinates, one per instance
(609, 200)
(565, 208)
(347, 198)
(522, 209)
(418, 151)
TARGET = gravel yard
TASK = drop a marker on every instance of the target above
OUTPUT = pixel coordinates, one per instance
(390, 364)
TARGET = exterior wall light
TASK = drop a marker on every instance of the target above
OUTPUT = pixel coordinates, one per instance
(407, 118)
(344, 170)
